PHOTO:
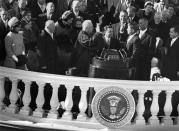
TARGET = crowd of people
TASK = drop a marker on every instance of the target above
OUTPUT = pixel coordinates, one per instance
(62, 37)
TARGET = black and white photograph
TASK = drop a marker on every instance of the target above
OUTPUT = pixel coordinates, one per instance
(89, 65)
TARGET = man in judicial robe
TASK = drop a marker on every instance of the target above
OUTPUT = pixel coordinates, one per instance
(84, 50)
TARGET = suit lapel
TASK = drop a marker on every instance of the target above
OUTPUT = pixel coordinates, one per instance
(144, 36)
(131, 41)
(174, 44)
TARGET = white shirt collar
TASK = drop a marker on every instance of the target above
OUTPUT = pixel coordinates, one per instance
(142, 32)
(173, 40)
(51, 34)
(76, 13)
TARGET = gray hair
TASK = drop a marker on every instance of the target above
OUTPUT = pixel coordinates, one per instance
(86, 24)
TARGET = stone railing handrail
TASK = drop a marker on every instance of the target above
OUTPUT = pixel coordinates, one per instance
(147, 95)
(51, 78)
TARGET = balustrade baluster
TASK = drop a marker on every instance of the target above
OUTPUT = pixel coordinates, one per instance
(54, 102)
(140, 108)
(153, 120)
(168, 108)
(2, 92)
(68, 103)
(26, 99)
(83, 103)
(178, 115)
(95, 89)
(39, 100)
(13, 96)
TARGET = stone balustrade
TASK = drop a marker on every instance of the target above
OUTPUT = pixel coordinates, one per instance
(154, 100)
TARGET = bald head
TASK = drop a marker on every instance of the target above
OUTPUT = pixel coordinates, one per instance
(87, 26)
(50, 26)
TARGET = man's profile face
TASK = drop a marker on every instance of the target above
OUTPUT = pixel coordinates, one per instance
(123, 17)
(4, 15)
(50, 8)
(172, 33)
(75, 6)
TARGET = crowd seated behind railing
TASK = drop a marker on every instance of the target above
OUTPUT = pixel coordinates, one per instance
(64, 37)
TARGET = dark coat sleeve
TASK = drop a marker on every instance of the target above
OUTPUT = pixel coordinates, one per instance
(42, 48)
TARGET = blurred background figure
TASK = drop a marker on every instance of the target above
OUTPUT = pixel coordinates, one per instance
(38, 7)
(30, 37)
(160, 6)
(147, 12)
(49, 15)
(4, 29)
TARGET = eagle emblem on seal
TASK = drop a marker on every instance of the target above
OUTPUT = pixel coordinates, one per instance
(114, 110)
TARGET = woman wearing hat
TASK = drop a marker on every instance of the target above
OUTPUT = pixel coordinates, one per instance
(63, 30)
(63, 33)
(147, 12)
(15, 50)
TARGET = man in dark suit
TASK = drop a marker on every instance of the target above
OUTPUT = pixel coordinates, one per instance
(171, 64)
(144, 51)
(38, 7)
(49, 15)
(60, 6)
(3, 32)
(21, 6)
(171, 58)
(132, 14)
(123, 5)
(132, 42)
(120, 28)
(109, 41)
(47, 45)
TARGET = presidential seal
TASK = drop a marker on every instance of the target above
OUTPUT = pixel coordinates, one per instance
(113, 107)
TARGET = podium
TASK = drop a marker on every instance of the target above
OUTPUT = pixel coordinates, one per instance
(109, 69)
